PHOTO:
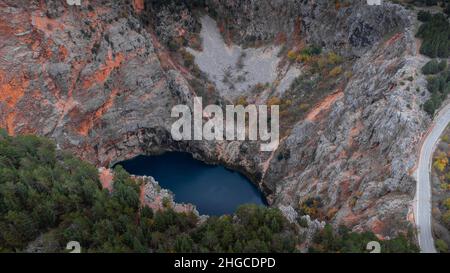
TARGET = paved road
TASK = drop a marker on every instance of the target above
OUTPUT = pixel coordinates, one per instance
(423, 191)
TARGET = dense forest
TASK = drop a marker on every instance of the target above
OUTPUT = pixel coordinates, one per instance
(48, 198)
(438, 84)
(343, 240)
(435, 35)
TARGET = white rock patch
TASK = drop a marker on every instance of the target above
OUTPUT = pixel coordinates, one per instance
(235, 70)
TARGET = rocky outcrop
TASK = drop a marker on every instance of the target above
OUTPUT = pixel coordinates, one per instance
(156, 198)
(151, 194)
(350, 29)
(100, 81)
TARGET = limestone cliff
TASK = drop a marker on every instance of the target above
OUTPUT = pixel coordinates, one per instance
(101, 79)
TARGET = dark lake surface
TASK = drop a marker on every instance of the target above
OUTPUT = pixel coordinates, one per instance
(214, 190)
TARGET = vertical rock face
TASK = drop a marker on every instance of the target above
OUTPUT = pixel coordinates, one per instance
(85, 76)
(99, 81)
(360, 155)
(350, 29)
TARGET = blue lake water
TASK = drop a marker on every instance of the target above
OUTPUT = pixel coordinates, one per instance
(214, 190)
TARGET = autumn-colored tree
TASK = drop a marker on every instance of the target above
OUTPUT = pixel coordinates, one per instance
(441, 162)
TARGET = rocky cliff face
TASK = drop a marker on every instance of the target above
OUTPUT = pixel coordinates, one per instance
(100, 80)
(350, 28)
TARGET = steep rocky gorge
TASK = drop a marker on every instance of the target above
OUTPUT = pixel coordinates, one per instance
(100, 80)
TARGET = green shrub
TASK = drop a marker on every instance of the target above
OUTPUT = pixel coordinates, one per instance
(438, 84)
(441, 246)
(434, 67)
(424, 16)
(311, 50)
